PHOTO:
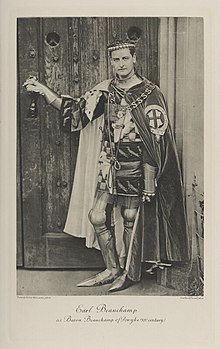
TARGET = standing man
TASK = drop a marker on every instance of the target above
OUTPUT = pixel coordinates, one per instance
(135, 169)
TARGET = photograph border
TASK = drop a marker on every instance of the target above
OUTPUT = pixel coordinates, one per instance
(34, 321)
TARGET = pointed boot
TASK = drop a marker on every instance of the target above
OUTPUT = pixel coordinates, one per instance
(121, 283)
(103, 278)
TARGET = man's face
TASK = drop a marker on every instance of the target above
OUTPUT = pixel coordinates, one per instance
(123, 62)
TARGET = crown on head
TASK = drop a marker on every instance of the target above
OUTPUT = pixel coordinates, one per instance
(133, 35)
(120, 44)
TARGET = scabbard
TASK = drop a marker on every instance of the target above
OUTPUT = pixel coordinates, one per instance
(129, 254)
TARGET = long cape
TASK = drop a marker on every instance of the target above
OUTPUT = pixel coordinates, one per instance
(164, 224)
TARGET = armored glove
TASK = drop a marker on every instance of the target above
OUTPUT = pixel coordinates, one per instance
(149, 182)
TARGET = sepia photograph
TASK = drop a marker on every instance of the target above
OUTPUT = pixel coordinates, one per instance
(109, 174)
(110, 156)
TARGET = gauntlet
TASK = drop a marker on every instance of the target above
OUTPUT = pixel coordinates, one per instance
(149, 181)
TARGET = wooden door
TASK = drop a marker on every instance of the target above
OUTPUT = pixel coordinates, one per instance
(69, 55)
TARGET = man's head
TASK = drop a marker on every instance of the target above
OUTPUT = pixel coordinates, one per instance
(123, 62)
(122, 57)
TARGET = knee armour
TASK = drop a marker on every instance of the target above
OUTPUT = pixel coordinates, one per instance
(129, 215)
(97, 218)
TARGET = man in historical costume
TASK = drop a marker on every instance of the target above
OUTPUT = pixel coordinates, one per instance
(127, 160)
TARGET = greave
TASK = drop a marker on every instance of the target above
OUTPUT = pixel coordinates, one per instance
(108, 249)
(128, 226)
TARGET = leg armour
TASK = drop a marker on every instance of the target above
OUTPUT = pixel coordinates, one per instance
(134, 270)
(105, 240)
(128, 215)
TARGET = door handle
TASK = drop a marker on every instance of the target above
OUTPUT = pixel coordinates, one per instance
(33, 110)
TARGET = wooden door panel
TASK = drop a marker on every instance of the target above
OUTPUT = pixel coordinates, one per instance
(55, 144)
(70, 252)
(34, 247)
(75, 84)
(93, 51)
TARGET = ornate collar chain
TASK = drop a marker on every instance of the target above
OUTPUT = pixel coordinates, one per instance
(136, 102)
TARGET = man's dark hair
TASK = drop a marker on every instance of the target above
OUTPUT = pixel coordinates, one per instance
(132, 50)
